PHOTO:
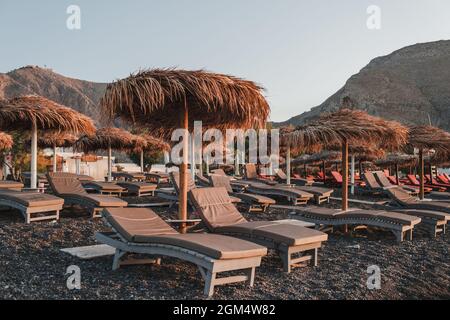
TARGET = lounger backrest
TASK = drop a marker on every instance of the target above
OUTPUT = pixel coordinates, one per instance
(80, 177)
(215, 208)
(218, 181)
(371, 181)
(281, 175)
(175, 179)
(337, 176)
(132, 222)
(65, 185)
(412, 178)
(401, 195)
(219, 172)
(443, 179)
(381, 177)
(250, 171)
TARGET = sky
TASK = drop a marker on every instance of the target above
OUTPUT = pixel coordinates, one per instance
(300, 51)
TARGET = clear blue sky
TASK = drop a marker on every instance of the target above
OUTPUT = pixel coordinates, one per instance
(300, 51)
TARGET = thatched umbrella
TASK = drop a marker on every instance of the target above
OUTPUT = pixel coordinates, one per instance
(109, 139)
(155, 99)
(35, 112)
(427, 138)
(6, 141)
(350, 127)
(56, 140)
(151, 144)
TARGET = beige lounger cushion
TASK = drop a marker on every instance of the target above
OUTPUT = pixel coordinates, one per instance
(142, 225)
(6, 184)
(66, 185)
(441, 216)
(138, 186)
(31, 199)
(219, 181)
(105, 201)
(80, 177)
(106, 186)
(220, 217)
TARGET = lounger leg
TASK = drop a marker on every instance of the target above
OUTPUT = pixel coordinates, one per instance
(28, 218)
(410, 234)
(57, 215)
(251, 276)
(315, 257)
(399, 236)
(209, 283)
(116, 261)
(286, 258)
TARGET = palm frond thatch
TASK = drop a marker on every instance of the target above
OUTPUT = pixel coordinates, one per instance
(429, 138)
(156, 98)
(22, 112)
(357, 127)
(56, 139)
(6, 141)
(400, 159)
(151, 144)
(105, 138)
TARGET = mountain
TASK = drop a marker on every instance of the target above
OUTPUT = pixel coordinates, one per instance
(80, 95)
(411, 85)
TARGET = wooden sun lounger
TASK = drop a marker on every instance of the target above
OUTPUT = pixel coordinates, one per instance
(11, 185)
(378, 182)
(293, 195)
(105, 188)
(73, 193)
(399, 224)
(138, 188)
(30, 204)
(81, 177)
(254, 202)
(281, 177)
(157, 177)
(435, 214)
(142, 231)
(128, 176)
(221, 216)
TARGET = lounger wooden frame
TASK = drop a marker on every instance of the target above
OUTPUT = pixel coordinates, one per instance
(51, 211)
(96, 212)
(308, 252)
(400, 231)
(279, 193)
(209, 268)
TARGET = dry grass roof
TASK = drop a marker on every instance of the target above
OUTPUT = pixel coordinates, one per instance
(6, 141)
(56, 139)
(400, 159)
(151, 144)
(156, 98)
(20, 113)
(117, 139)
(429, 138)
(358, 127)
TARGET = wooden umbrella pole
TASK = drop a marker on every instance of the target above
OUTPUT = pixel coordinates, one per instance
(142, 160)
(182, 206)
(344, 175)
(109, 163)
(352, 170)
(324, 172)
(54, 158)
(33, 180)
(397, 179)
(288, 165)
(431, 172)
(421, 174)
(306, 171)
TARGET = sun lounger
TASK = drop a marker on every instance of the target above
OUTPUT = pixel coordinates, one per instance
(254, 202)
(138, 188)
(128, 176)
(415, 182)
(81, 177)
(73, 193)
(236, 184)
(434, 213)
(293, 195)
(202, 180)
(251, 175)
(104, 188)
(221, 216)
(157, 177)
(437, 183)
(11, 185)
(399, 224)
(435, 221)
(281, 177)
(383, 182)
(141, 231)
(33, 206)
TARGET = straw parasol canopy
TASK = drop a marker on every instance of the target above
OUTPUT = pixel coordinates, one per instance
(150, 145)
(428, 138)
(109, 139)
(56, 139)
(6, 141)
(38, 113)
(154, 98)
(349, 127)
